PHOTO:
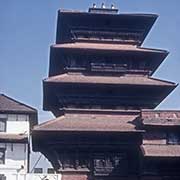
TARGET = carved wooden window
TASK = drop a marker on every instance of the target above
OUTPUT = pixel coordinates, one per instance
(154, 137)
(75, 160)
(75, 62)
(3, 124)
(108, 67)
(69, 160)
(112, 163)
(142, 65)
(135, 65)
(173, 138)
(108, 64)
(2, 155)
(97, 34)
(83, 160)
(149, 167)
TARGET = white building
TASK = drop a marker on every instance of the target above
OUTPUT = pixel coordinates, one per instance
(16, 121)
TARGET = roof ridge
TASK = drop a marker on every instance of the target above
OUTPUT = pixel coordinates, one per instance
(55, 77)
(16, 101)
(162, 80)
(36, 127)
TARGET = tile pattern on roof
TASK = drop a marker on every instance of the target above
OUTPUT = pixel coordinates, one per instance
(161, 150)
(106, 46)
(130, 80)
(12, 105)
(160, 118)
(90, 122)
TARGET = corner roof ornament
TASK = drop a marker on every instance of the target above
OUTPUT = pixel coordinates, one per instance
(112, 6)
(94, 5)
(103, 9)
(103, 6)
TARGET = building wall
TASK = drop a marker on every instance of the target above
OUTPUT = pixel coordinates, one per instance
(43, 162)
(16, 123)
(16, 154)
(20, 176)
(15, 158)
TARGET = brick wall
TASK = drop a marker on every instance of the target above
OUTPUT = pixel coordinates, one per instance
(72, 176)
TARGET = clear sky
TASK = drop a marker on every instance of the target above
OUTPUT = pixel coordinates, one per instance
(27, 29)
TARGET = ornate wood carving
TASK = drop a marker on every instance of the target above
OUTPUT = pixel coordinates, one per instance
(105, 35)
(99, 63)
(110, 164)
(74, 160)
(102, 164)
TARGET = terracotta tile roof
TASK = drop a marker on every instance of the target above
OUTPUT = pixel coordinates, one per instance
(160, 118)
(162, 122)
(161, 150)
(6, 137)
(90, 122)
(8, 104)
(106, 46)
(130, 80)
(139, 24)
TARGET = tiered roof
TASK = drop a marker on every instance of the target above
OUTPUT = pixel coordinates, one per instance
(104, 49)
(123, 28)
(151, 57)
(92, 121)
(161, 126)
(163, 118)
(98, 60)
(162, 151)
(97, 79)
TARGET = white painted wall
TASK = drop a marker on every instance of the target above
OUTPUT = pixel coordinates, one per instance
(42, 163)
(17, 123)
(20, 176)
(16, 154)
(17, 127)
(15, 158)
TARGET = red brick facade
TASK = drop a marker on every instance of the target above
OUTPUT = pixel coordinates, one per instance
(74, 176)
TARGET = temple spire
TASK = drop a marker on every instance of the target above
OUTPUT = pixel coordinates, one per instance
(103, 9)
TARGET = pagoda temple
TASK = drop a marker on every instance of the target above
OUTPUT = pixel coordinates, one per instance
(101, 90)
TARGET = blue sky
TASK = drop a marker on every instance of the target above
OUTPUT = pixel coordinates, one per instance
(27, 29)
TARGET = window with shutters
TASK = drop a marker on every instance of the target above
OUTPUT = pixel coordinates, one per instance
(3, 124)
(38, 170)
(2, 155)
(50, 171)
(173, 138)
(2, 177)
